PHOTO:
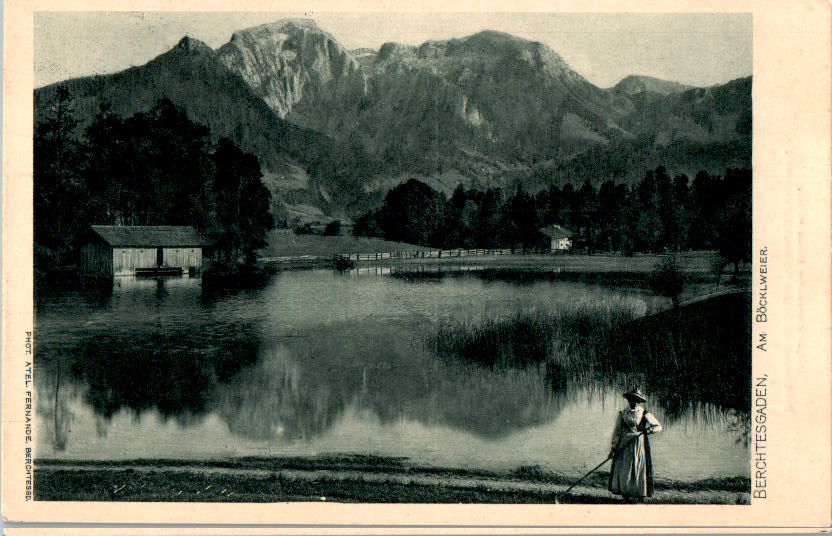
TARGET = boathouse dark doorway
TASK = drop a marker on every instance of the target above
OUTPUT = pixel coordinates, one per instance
(160, 257)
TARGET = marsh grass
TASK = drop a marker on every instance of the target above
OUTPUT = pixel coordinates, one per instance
(686, 357)
(700, 353)
(561, 335)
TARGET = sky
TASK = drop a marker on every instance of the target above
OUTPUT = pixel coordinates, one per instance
(694, 49)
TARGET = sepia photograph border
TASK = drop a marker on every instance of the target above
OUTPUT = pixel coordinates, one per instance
(791, 228)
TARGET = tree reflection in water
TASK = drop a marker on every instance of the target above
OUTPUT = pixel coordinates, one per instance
(299, 390)
(186, 356)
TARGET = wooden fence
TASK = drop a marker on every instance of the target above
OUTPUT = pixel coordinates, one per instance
(417, 254)
(425, 254)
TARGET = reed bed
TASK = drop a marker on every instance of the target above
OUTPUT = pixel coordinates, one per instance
(686, 357)
(562, 334)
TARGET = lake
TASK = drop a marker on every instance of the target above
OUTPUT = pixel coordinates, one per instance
(318, 362)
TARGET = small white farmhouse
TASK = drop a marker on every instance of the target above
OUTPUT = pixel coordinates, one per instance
(560, 239)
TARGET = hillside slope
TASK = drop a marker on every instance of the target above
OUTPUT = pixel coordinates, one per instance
(335, 129)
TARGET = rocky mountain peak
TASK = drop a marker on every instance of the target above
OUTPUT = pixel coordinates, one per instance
(292, 63)
(487, 40)
(280, 28)
(392, 50)
(295, 23)
(634, 84)
(191, 45)
(493, 43)
(490, 49)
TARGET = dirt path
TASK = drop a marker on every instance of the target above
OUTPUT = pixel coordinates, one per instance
(85, 481)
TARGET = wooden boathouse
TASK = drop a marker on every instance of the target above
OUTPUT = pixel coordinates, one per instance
(116, 250)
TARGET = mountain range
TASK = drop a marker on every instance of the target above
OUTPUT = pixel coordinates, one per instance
(334, 129)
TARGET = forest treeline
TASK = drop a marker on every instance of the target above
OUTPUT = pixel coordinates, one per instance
(660, 213)
(152, 168)
(160, 168)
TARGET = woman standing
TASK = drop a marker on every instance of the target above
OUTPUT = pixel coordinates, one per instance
(631, 474)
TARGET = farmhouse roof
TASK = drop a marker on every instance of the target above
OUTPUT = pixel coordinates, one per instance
(556, 232)
(150, 236)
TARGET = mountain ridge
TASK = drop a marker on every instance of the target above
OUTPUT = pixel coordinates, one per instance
(636, 83)
(489, 109)
(191, 76)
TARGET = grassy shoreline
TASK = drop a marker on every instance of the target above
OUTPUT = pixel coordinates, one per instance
(699, 352)
(344, 479)
(692, 262)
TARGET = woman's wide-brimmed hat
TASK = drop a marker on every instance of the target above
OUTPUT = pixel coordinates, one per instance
(636, 394)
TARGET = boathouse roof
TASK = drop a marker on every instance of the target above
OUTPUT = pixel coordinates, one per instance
(556, 232)
(150, 236)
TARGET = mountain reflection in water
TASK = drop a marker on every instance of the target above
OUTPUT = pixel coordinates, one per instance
(298, 396)
(314, 363)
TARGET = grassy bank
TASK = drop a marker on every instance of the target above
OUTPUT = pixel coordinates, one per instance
(692, 263)
(343, 479)
(284, 243)
(697, 353)
(555, 334)
(686, 356)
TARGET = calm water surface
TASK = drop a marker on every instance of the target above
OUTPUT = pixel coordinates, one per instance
(322, 363)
